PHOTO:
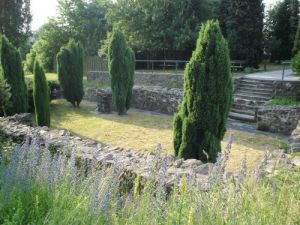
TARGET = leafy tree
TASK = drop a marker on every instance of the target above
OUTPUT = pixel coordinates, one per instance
(200, 124)
(121, 70)
(244, 30)
(11, 64)
(41, 96)
(81, 20)
(15, 19)
(223, 13)
(70, 71)
(5, 94)
(161, 28)
(284, 28)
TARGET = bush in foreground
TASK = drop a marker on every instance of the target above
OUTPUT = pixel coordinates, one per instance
(200, 124)
(37, 187)
(12, 71)
(121, 61)
(41, 96)
(70, 72)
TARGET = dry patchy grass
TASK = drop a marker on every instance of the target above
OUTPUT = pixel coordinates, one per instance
(142, 131)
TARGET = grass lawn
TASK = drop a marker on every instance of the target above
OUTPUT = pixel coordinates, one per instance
(54, 77)
(142, 131)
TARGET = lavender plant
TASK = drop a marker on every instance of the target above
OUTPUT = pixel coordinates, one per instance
(39, 187)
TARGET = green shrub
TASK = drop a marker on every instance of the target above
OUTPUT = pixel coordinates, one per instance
(121, 61)
(29, 62)
(296, 63)
(41, 96)
(5, 94)
(13, 73)
(200, 124)
(70, 71)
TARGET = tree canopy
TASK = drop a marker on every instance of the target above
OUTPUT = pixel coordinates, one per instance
(15, 19)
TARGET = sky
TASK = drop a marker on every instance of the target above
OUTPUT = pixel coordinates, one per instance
(43, 9)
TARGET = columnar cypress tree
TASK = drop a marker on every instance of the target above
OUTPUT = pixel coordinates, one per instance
(200, 124)
(11, 64)
(5, 94)
(121, 61)
(244, 28)
(41, 96)
(70, 71)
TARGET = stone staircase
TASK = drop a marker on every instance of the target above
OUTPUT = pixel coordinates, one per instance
(248, 96)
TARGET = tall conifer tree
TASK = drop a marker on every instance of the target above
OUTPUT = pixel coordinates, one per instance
(200, 124)
(121, 61)
(70, 71)
(41, 96)
(11, 64)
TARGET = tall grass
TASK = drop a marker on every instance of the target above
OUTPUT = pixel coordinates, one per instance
(39, 187)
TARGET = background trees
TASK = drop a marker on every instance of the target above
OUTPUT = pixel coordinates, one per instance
(201, 122)
(161, 29)
(242, 23)
(5, 94)
(15, 19)
(121, 61)
(281, 28)
(70, 71)
(12, 71)
(41, 96)
(81, 20)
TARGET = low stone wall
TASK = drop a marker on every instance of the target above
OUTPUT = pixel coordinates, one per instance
(131, 162)
(281, 119)
(147, 79)
(287, 89)
(295, 139)
(152, 98)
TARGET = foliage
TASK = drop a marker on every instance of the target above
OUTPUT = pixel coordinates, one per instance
(200, 124)
(244, 29)
(29, 61)
(284, 20)
(70, 71)
(15, 19)
(80, 20)
(296, 47)
(284, 101)
(41, 96)
(37, 187)
(223, 12)
(161, 28)
(12, 71)
(5, 94)
(296, 63)
(121, 61)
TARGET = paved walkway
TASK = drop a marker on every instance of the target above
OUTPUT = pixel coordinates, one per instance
(274, 75)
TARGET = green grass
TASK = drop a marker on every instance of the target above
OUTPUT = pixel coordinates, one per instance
(55, 192)
(54, 77)
(142, 131)
(284, 101)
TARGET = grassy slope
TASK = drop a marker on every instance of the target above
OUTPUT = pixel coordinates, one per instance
(142, 131)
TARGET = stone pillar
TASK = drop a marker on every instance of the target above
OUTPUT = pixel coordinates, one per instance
(104, 101)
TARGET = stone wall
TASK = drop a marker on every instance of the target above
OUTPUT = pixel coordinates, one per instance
(287, 89)
(295, 139)
(131, 162)
(147, 79)
(151, 98)
(281, 119)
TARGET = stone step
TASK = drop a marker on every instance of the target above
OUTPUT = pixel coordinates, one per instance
(245, 107)
(256, 90)
(256, 81)
(258, 85)
(249, 102)
(242, 111)
(242, 117)
(254, 93)
(251, 97)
